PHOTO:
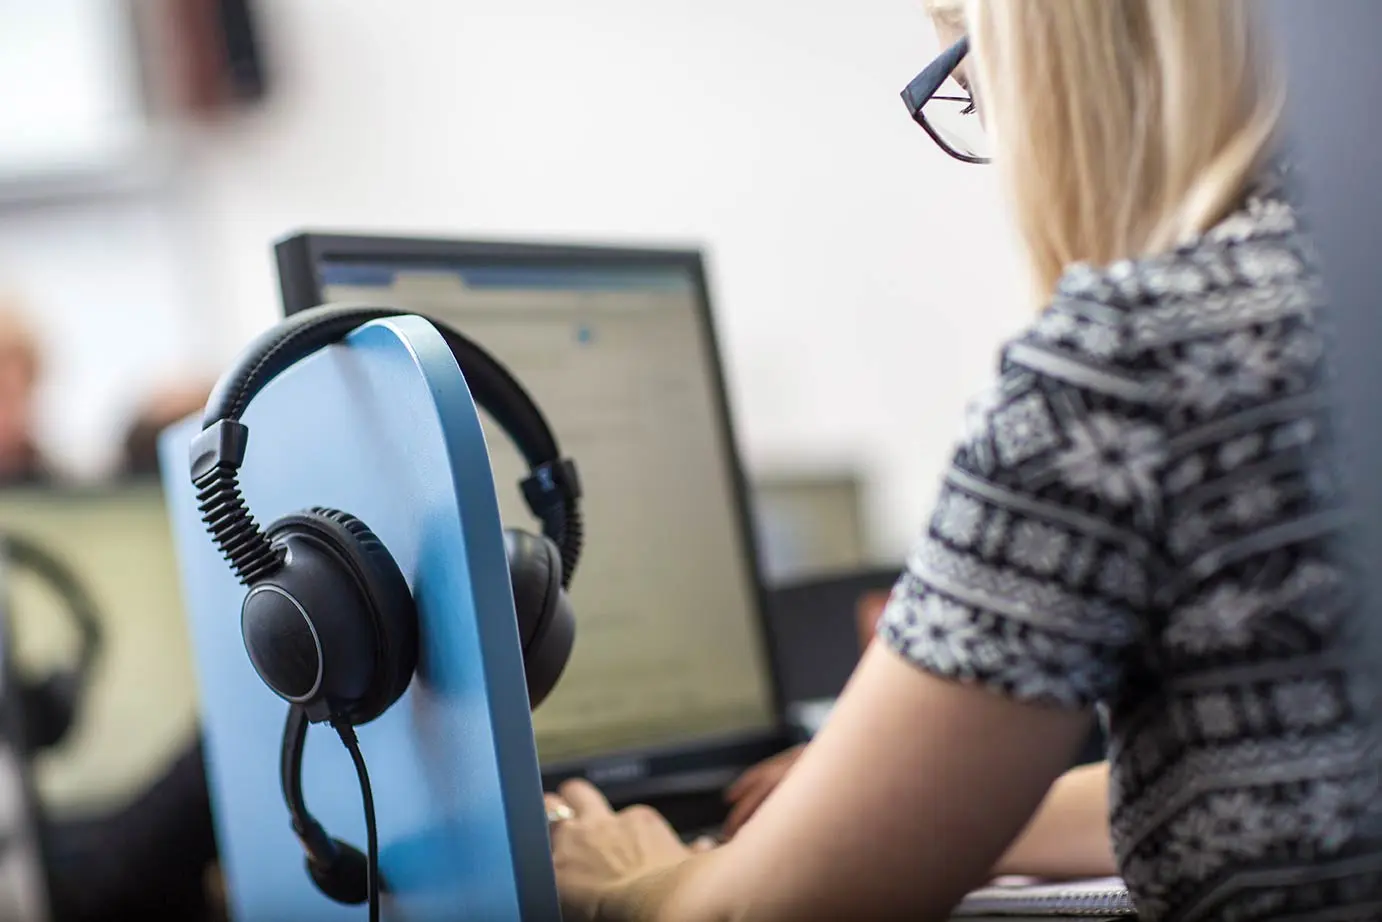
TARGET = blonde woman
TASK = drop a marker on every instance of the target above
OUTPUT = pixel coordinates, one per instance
(1140, 520)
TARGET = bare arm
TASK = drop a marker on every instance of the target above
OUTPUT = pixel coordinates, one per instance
(1069, 836)
(901, 805)
(1028, 586)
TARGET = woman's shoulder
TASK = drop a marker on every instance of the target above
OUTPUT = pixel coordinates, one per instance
(1220, 323)
(1254, 268)
(1178, 338)
(1145, 391)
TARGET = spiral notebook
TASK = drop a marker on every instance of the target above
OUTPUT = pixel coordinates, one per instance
(1104, 896)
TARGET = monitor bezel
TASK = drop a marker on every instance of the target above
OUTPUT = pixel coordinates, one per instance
(639, 772)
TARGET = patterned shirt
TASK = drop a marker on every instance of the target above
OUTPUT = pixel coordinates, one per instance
(1140, 519)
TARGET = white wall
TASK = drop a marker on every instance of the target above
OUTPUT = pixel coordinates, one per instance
(114, 294)
(92, 241)
(862, 279)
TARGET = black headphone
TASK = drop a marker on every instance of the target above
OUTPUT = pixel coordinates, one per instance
(50, 703)
(329, 622)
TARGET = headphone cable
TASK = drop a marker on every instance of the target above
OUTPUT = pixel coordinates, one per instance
(352, 745)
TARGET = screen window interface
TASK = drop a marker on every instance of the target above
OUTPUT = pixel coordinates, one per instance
(668, 646)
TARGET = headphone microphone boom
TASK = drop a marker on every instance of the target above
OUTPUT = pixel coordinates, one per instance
(328, 621)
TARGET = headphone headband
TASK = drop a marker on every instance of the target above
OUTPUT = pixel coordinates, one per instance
(51, 703)
(27, 554)
(551, 490)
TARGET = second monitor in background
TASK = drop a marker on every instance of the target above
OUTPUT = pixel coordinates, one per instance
(141, 705)
(670, 685)
(810, 525)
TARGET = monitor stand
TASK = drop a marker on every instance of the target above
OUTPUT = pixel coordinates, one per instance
(382, 427)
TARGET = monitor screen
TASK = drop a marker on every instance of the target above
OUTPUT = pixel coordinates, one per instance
(810, 525)
(669, 646)
(141, 707)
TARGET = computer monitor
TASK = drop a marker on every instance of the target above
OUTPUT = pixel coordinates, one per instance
(140, 710)
(810, 525)
(671, 681)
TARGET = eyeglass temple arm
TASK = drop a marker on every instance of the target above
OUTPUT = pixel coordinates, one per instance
(924, 86)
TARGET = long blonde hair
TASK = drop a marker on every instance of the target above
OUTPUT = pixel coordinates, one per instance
(949, 12)
(1122, 127)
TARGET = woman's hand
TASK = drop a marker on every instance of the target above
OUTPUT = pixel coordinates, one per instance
(599, 853)
(753, 787)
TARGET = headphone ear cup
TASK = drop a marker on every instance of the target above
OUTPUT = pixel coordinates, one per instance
(546, 623)
(546, 658)
(535, 573)
(360, 635)
(394, 609)
(49, 709)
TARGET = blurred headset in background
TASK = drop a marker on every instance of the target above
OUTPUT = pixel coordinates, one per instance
(50, 703)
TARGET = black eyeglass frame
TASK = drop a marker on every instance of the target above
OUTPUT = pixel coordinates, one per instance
(924, 88)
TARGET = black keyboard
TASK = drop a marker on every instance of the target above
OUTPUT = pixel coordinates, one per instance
(692, 815)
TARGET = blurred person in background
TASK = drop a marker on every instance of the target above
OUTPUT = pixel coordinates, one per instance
(21, 367)
(165, 406)
(1144, 522)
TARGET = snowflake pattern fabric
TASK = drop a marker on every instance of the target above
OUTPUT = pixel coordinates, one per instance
(1143, 516)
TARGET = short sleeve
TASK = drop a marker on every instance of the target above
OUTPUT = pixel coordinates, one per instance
(1034, 575)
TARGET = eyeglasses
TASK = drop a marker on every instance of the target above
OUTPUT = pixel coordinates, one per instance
(945, 107)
